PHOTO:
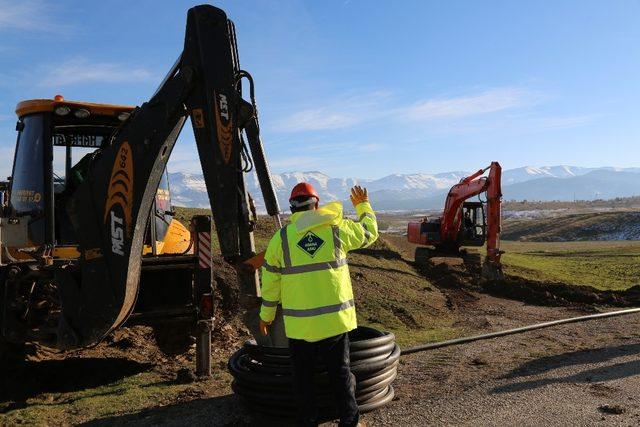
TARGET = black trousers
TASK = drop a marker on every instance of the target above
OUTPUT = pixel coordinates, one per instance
(334, 352)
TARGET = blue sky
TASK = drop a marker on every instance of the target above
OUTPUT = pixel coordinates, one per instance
(363, 88)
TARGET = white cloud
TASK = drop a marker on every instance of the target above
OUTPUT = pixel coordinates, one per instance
(490, 101)
(80, 70)
(31, 15)
(318, 119)
(341, 113)
(369, 148)
(367, 108)
(184, 157)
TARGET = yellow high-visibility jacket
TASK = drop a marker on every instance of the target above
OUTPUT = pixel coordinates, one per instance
(306, 270)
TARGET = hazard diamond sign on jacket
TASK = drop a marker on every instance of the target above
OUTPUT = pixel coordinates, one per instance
(305, 270)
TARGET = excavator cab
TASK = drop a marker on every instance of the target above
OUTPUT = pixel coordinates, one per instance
(473, 227)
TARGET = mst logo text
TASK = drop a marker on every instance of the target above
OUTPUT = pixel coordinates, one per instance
(117, 212)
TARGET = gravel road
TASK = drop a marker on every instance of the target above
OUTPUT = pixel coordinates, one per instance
(575, 375)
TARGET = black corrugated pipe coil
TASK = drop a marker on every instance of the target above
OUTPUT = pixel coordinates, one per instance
(262, 375)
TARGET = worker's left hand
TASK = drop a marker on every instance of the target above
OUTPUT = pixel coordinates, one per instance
(264, 327)
(359, 195)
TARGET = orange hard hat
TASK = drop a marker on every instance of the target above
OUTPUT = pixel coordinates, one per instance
(303, 189)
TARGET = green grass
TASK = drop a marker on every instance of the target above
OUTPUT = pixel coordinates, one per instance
(602, 265)
(128, 395)
(392, 296)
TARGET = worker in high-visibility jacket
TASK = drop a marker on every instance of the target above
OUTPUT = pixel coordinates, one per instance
(305, 270)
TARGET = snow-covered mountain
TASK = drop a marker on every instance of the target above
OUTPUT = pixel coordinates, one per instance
(420, 181)
(427, 191)
(189, 189)
(603, 183)
(527, 173)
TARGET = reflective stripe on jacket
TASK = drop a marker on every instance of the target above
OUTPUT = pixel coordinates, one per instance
(306, 270)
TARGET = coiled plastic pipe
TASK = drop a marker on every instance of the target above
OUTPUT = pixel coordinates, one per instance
(262, 375)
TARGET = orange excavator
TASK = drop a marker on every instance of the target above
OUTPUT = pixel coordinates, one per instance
(465, 223)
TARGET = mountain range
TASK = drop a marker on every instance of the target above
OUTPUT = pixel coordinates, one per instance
(428, 191)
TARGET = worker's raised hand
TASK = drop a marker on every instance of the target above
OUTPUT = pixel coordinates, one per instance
(264, 327)
(359, 195)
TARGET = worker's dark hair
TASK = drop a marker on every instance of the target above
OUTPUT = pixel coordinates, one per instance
(304, 203)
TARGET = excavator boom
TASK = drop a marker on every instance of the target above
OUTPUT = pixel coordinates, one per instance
(494, 214)
(109, 210)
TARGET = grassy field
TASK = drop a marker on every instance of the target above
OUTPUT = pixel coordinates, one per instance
(390, 295)
(264, 229)
(604, 265)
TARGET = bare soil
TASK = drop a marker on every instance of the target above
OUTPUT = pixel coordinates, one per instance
(465, 272)
(522, 379)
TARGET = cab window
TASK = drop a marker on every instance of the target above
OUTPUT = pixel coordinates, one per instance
(27, 182)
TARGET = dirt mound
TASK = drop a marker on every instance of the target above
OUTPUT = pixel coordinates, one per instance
(465, 273)
(381, 249)
(561, 294)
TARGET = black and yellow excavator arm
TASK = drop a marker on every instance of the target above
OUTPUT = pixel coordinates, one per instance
(110, 209)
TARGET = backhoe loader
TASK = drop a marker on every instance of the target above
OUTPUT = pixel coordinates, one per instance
(87, 235)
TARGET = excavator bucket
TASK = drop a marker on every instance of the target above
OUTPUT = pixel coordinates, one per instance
(492, 272)
(109, 211)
